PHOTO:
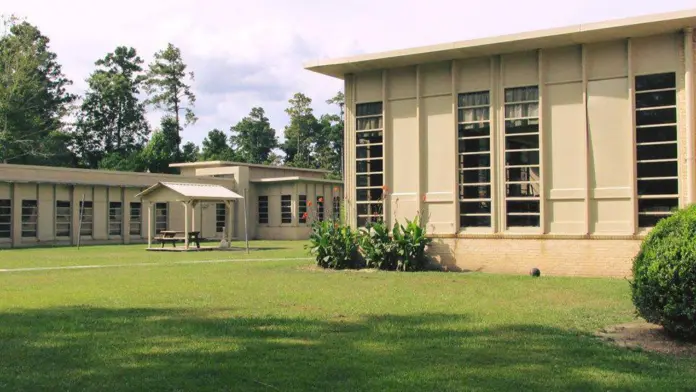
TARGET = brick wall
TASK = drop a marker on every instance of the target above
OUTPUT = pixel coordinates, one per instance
(568, 257)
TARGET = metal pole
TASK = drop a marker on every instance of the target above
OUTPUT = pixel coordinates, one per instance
(79, 223)
(246, 230)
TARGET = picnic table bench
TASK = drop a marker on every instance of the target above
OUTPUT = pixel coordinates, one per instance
(174, 236)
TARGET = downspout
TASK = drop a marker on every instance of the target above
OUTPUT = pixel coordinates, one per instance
(689, 87)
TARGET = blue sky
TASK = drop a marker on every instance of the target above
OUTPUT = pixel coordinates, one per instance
(251, 53)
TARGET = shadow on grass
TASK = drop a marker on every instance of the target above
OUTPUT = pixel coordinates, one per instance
(98, 349)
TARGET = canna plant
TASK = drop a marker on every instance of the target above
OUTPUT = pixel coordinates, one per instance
(411, 243)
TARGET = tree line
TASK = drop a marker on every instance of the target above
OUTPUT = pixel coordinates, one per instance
(42, 123)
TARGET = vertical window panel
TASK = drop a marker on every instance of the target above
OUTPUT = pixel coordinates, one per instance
(220, 217)
(474, 149)
(263, 210)
(369, 165)
(5, 218)
(286, 209)
(135, 225)
(657, 182)
(115, 218)
(522, 157)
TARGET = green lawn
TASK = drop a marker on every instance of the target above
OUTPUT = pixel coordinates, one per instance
(284, 326)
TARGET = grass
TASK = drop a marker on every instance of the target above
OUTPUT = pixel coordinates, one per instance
(283, 325)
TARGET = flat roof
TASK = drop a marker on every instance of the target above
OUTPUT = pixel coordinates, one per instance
(207, 164)
(572, 35)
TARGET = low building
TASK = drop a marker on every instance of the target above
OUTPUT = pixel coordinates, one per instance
(556, 149)
(44, 205)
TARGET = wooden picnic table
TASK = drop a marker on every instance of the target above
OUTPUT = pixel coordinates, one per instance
(175, 236)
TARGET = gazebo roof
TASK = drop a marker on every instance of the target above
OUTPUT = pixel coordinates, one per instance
(190, 191)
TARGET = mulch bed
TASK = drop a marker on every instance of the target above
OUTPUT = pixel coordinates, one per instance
(648, 337)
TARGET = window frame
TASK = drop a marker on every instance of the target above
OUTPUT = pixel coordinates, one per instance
(62, 205)
(262, 210)
(161, 224)
(115, 219)
(644, 193)
(136, 219)
(302, 209)
(285, 209)
(6, 219)
(373, 206)
(87, 224)
(25, 219)
(220, 224)
(528, 185)
(474, 135)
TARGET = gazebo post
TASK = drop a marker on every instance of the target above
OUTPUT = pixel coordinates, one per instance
(149, 224)
(186, 224)
(193, 216)
(228, 232)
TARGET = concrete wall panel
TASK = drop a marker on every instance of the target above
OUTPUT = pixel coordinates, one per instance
(368, 87)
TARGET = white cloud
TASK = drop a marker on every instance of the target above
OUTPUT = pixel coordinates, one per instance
(249, 54)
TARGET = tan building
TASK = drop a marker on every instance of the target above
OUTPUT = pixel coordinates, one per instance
(41, 205)
(557, 149)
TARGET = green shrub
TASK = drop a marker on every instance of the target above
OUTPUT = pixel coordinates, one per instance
(334, 246)
(410, 241)
(377, 247)
(664, 275)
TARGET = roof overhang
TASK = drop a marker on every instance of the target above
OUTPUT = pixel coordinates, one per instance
(275, 180)
(192, 192)
(573, 35)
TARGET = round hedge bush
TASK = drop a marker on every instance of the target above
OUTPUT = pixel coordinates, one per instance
(664, 275)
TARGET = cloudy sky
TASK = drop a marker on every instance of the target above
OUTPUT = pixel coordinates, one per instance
(251, 53)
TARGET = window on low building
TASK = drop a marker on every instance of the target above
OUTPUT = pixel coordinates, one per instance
(220, 217)
(161, 213)
(320, 208)
(136, 219)
(30, 218)
(5, 218)
(286, 209)
(656, 147)
(115, 218)
(302, 208)
(522, 169)
(474, 134)
(87, 218)
(337, 207)
(263, 210)
(369, 164)
(63, 218)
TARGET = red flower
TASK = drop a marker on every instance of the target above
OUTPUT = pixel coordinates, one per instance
(335, 189)
(321, 200)
(305, 215)
(309, 203)
(424, 197)
(385, 188)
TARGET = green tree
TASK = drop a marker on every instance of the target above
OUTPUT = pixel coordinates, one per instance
(253, 139)
(166, 85)
(215, 147)
(112, 119)
(335, 134)
(190, 152)
(33, 98)
(301, 133)
(162, 149)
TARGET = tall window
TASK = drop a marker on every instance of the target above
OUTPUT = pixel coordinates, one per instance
(63, 218)
(656, 147)
(5, 218)
(30, 218)
(474, 134)
(336, 208)
(160, 217)
(302, 209)
(115, 218)
(286, 209)
(136, 219)
(522, 170)
(220, 217)
(263, 210)
(320, 208)
(87, 218)
(369, 162)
